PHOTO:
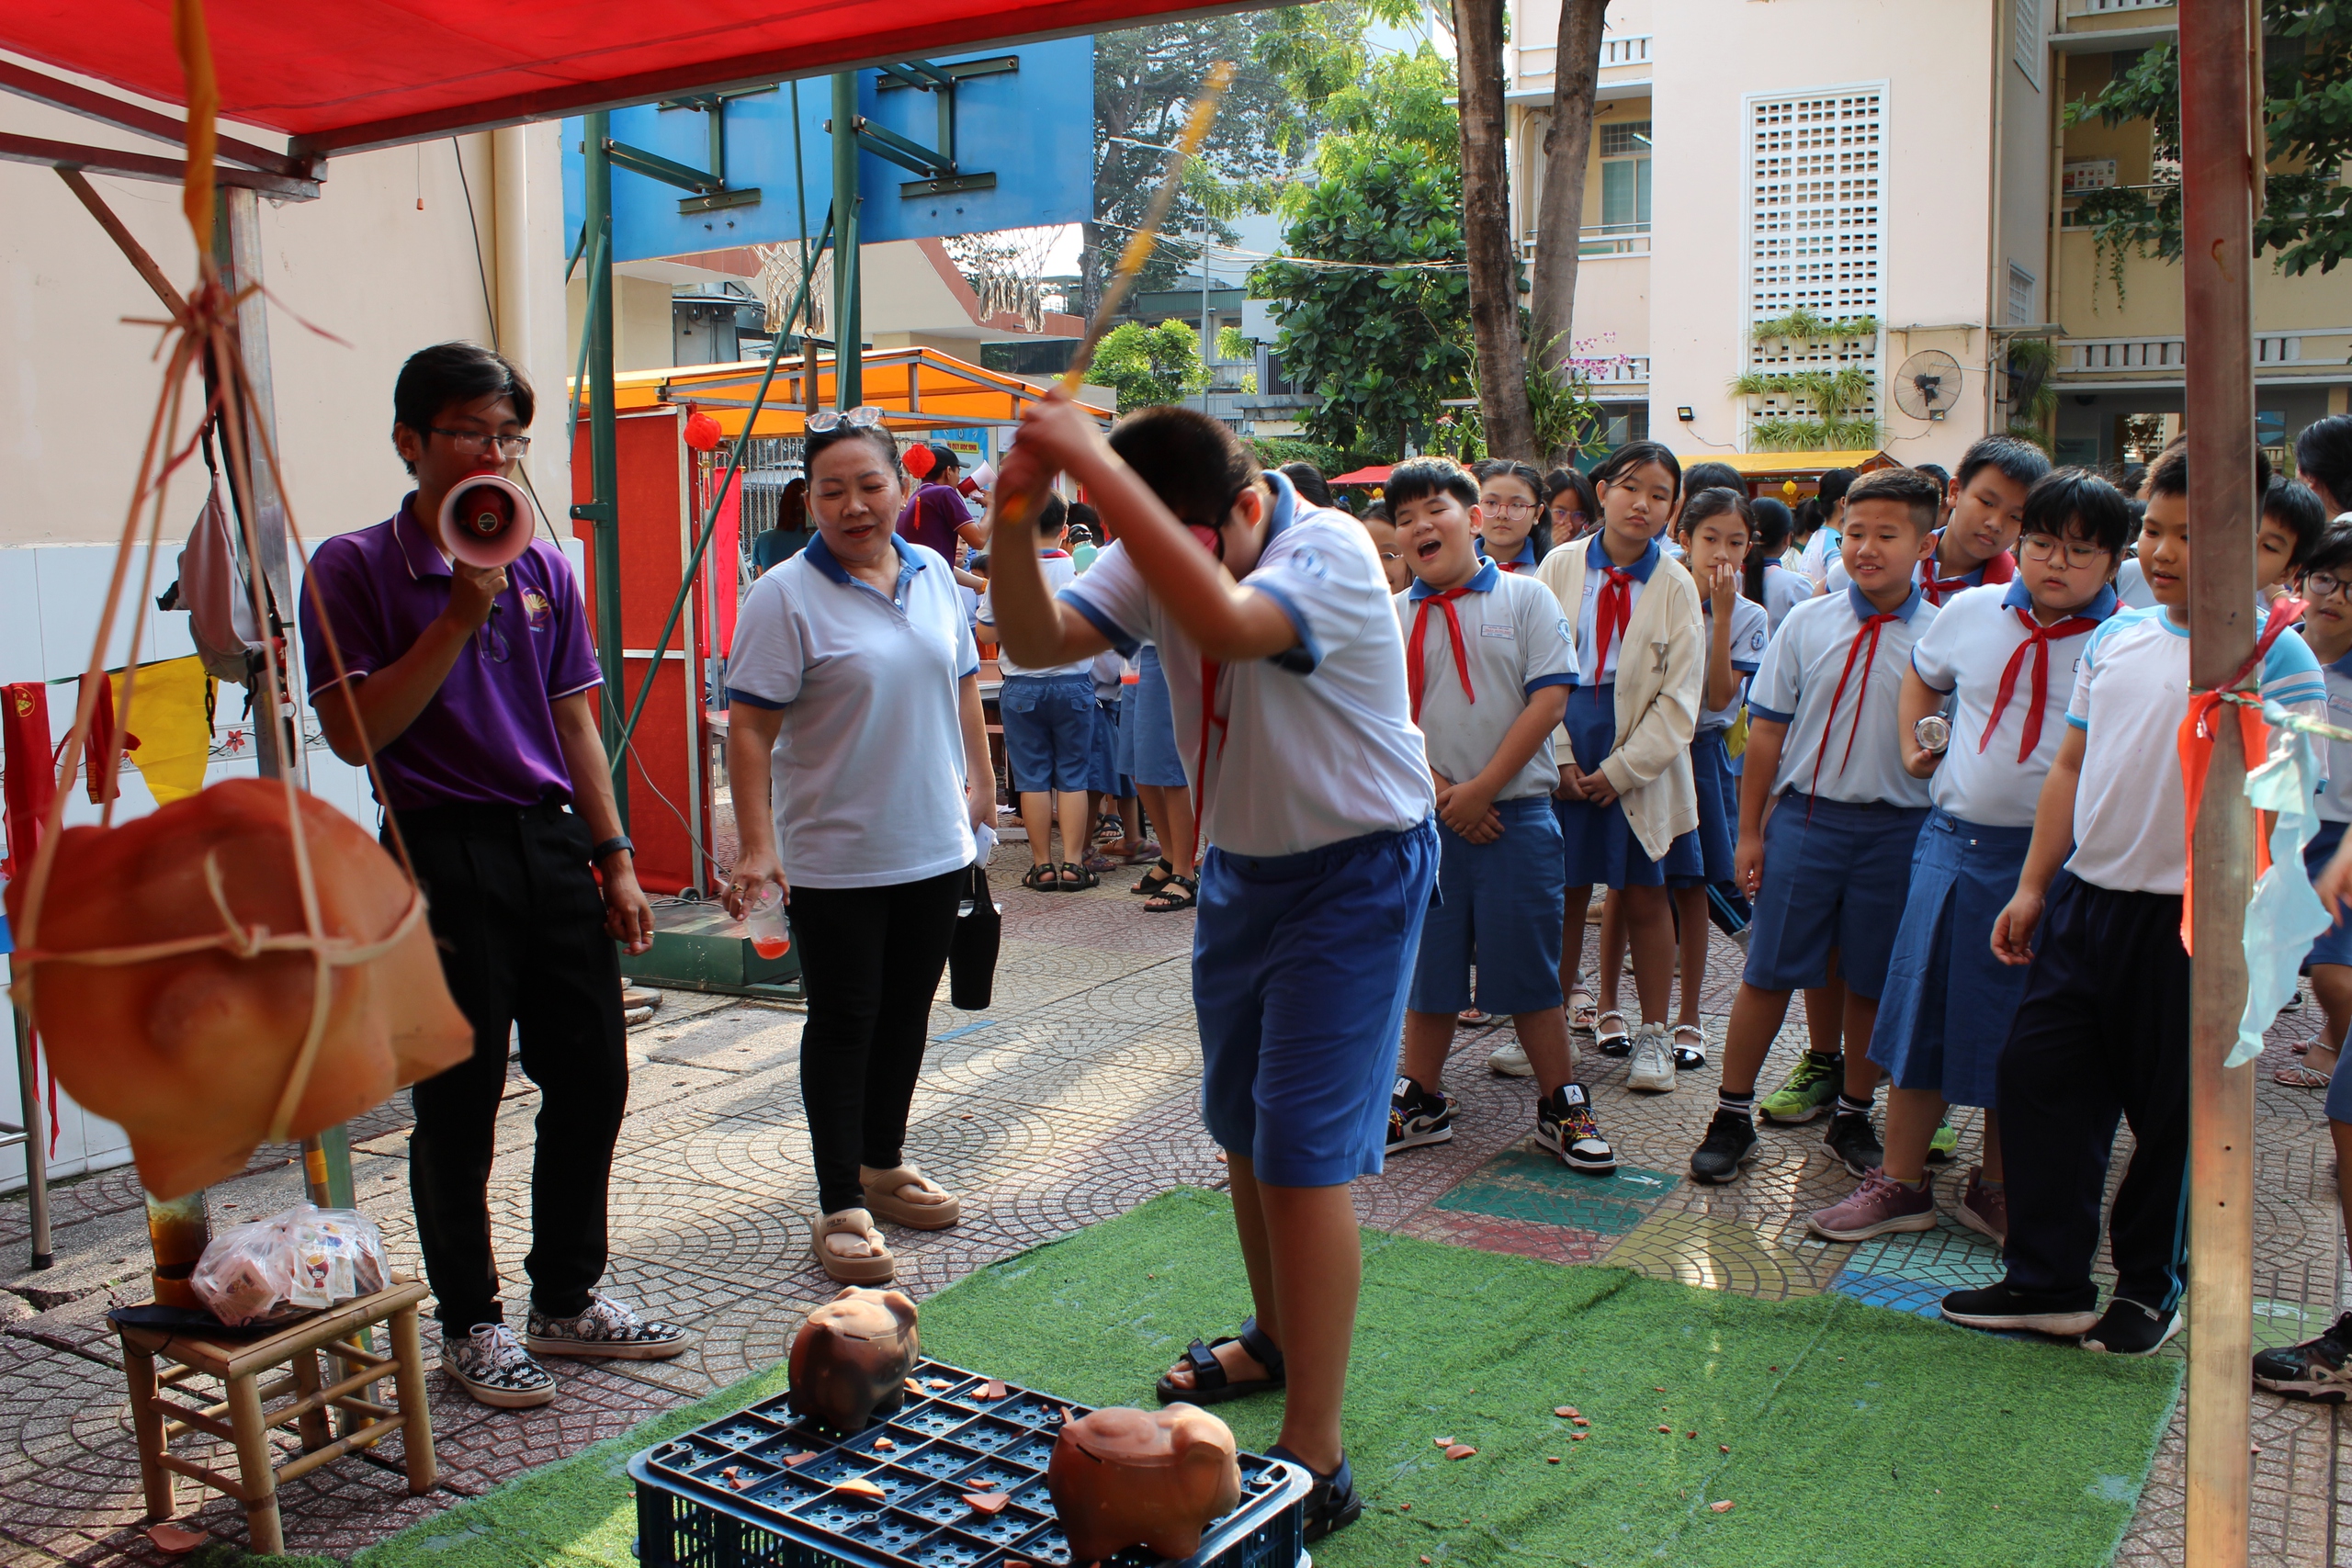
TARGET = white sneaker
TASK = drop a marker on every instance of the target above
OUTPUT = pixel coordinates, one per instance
(1652, 1066)
(1510, 1059)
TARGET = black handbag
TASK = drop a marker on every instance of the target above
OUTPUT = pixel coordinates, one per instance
(971, 952)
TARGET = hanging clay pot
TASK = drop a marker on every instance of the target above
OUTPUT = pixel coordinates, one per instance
(194, 1051)
(1122, 1478)
(851, 1358)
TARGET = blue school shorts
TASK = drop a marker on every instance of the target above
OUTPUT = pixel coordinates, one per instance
(1102, 776)
(1147, 752)
(1600, 847)
(1299, 968)
(1836, 876)
(1717, 834)
(1048, 730)
(1945, 1012)
(2332, 946)
(1499, 905)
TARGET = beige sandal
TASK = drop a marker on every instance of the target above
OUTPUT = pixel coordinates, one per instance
(874, 1269)
(882, 1197)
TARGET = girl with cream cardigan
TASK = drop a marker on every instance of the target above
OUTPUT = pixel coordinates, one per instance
(1626, 803)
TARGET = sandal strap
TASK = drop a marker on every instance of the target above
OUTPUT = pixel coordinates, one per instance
(1692, 1029)
(899, 1176)
(1267, 1354)
(1617, 1014)
(1207, 1371)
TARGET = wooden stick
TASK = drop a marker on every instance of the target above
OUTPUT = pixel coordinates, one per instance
(131, 249)
(2218, 153)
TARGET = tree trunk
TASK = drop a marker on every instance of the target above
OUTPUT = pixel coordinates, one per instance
(1567, 151)
(1486, 222)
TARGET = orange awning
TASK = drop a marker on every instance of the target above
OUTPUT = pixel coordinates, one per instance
(919, 389)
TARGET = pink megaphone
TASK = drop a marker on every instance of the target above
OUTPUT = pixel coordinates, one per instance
(486, 521)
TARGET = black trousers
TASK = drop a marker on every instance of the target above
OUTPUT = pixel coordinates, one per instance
(2102, 1033)
(870, 961)
(520, 924)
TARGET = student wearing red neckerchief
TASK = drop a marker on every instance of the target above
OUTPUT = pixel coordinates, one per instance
(1830, 869)
(1983, 510)
(1996, 669)
(1627, 805)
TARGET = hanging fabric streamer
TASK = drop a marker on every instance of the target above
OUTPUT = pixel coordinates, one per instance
(2284, 916)
(175, 741)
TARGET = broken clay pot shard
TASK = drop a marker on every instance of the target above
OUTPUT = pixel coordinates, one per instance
(851, 1359)
(191, 1052)
(1122, 1478)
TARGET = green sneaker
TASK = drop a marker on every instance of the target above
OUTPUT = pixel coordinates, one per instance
(1809, 1092)
(1943, 1146)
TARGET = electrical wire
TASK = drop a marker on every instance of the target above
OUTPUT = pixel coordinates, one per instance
(489, 313)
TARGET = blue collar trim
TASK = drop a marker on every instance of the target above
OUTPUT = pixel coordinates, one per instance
(1596, 559)
(1863, 609)
(2021, 597)
(823, 560)
(1287, 508)
(1526, 556)
(1483, 580)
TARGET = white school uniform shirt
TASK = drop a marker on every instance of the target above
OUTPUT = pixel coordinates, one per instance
(1819, 551)
(869, 764)
(1783, 591)
(1751, 633)
(1965, 655)
(2128, 699)
(2335, 800)
(1598, 671)
(1059, 570)
(1798, 685)
(1516, 643)
(2132, 588)
(1311, 747)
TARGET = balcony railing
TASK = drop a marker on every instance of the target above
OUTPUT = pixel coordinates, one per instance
(1603, 240)
(1631, 369)
(2107, 7)
(1633, 49)
(2091, 355)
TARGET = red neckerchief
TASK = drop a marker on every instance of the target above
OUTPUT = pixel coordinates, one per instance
(1510, 565)
(1414, 677)
(1609, 617)
(1873, 625)
(2194, 743)
(1210, 669)
(2037, 638)
(2001, 568)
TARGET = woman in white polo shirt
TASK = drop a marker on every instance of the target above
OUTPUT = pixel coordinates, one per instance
(854, 697)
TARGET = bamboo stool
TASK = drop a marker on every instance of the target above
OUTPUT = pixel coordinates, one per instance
(241, 1364)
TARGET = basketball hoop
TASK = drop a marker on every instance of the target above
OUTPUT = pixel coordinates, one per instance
(779, 280)
(1006, 270)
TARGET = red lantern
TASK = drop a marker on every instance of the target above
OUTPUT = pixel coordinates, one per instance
(702, 432)
(920, 459)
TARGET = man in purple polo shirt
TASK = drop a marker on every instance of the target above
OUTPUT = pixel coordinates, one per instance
(479, 689)
(936, 516)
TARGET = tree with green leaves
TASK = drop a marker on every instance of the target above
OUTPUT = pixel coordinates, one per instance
(1150, 364)
(1379, 346)
(2305, 221)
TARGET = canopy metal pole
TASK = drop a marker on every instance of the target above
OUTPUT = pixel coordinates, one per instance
(849, 353)
(2218, 158)
(603, 510)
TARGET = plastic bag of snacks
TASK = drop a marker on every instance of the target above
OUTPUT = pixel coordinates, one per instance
(290, 1264)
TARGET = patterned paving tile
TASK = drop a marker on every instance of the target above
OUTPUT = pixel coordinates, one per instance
(1528, 1185)
(1699, 1249)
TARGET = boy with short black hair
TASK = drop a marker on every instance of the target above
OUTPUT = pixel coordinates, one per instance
(1831, 868)
(1286, 672)
(1981, 513)
(1049, 733)
(1994, 670)
(2102, 1030)
(1489, 665)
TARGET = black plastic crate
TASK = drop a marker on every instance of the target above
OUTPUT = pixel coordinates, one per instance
(942, 1442)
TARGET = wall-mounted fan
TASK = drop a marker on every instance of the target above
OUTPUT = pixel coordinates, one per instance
(1927, 384)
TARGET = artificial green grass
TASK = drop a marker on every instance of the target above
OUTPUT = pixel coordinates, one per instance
(1856, 1435)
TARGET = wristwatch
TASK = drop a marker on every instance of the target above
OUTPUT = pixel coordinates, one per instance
(618, 842)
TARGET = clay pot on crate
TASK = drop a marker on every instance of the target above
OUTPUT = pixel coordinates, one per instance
(1123, 1477)
(851, 1358)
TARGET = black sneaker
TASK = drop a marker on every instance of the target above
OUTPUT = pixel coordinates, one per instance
(1999, 1307)
(1332, 1503)
(1564, 1124)
(2129, 1329)
(1851, 1139)
(1418, 1116)
(491, 1364)
(1730, 1145)
(2317, 1369)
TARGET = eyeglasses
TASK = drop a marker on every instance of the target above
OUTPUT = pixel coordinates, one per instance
(1507, 508)
(866, 416)
(2044, 547)
(474, 443)
(2318, 585)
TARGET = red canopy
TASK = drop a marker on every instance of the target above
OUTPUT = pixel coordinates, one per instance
(1375, 475)
(360, 73)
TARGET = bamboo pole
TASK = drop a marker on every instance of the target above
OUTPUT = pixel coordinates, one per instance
(2217, 169)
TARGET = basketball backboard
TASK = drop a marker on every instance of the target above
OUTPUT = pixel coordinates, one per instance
(1023, 150)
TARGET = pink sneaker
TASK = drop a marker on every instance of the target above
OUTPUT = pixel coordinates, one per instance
(1985, 1209)
(1880, 1204)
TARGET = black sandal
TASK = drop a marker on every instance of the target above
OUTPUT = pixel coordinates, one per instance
(1158, 877)
(1210, 1383)
(1333, 1503)
(1076, 878)
(1165, 903)
(1043, 877)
